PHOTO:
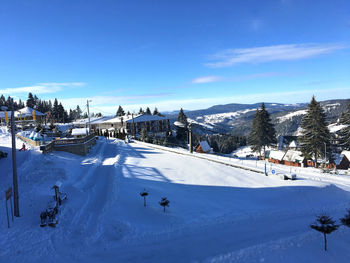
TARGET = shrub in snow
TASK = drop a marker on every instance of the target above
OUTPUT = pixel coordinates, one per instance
(164, 202)
(346, 219)
(144, 194)
(325, 225)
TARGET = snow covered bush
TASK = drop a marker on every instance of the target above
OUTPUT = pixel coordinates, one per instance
(144, 194)
(164, 202)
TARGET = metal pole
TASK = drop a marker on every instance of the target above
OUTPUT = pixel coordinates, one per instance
(190, 138)
(88, 115)
(325, 150)
(14, 162)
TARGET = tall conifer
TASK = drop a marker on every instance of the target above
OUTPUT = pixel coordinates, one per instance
(263, 133)
(315, 134)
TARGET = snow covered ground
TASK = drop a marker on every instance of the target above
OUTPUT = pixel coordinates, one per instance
(217, 213)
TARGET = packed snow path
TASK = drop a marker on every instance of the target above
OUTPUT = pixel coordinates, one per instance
(217, 213)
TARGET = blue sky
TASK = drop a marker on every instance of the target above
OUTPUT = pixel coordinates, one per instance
(172, 54)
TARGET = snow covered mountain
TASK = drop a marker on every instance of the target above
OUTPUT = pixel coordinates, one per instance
(236, 118)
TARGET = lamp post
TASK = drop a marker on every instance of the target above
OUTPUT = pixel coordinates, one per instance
(87, 104)
(325, 153)
(14, 162)
(189, 128)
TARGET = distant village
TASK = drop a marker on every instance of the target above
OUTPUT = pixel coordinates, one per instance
(49, 132)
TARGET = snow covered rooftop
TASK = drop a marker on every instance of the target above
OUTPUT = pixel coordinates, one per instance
(205, 146)
(276, 155)
(27, 111)
(293, 144)
(347, 154)
(80, 131)
(138, 118)
(293, 156)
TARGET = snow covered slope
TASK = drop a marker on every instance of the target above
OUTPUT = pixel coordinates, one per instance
(217, 213)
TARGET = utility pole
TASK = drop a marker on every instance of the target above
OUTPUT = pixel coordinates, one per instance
(190, 137)
(14, 162)
(88, 113)
(133, 126)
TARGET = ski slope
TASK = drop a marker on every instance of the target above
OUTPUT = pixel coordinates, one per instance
(217, 213)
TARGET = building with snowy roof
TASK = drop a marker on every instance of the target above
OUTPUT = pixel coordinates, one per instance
(203, 147)
(276, 156)
(341, 162)
(80, 132)
(294, 158)
(156, 125)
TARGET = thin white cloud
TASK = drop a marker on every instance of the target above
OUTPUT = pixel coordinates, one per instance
(109, 105)
(207, 79)
(291, 52)
(42, 88)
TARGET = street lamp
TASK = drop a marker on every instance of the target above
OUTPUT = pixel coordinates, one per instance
(325, 152)
(189, 128)
(87, 104)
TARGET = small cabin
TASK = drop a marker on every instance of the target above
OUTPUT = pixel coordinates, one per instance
(341, 162)
(203, 147)
(80, 132)
(294, 158)
(276, 156)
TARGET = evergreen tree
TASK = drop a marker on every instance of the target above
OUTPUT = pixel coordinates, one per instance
(325, 225)
(346, 219)
(78, 112)
(148, 111)
(263, 133)
(55, 110)
(30, 101)
(315, 133)
(181, 132)
(62, 115)
(344, 137)
(144, 134)
(141, 111)
(155, 112)
(120, 111)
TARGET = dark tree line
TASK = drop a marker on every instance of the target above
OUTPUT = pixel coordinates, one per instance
(55, 110)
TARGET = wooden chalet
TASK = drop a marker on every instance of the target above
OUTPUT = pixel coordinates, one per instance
(203, 147)
(294, 158)
(276, 156)
(341, 162)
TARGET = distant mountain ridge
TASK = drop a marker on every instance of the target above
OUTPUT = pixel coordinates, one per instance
(236, 118)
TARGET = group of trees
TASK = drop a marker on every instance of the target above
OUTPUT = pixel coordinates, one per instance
(315, 137)
(344, 137)
(55, 110)
(121, 112)
(7, 103)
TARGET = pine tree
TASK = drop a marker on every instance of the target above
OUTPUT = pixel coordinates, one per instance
(144, 134)
(181, 132)
(30, 101)
(344, 137)
(346, 219)
(155, 112)
(79, 112)
(55, 110)
(141, 111)
(263, 133)
(120, 111)
(315, 133)
(148, 111)
(325, 225)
